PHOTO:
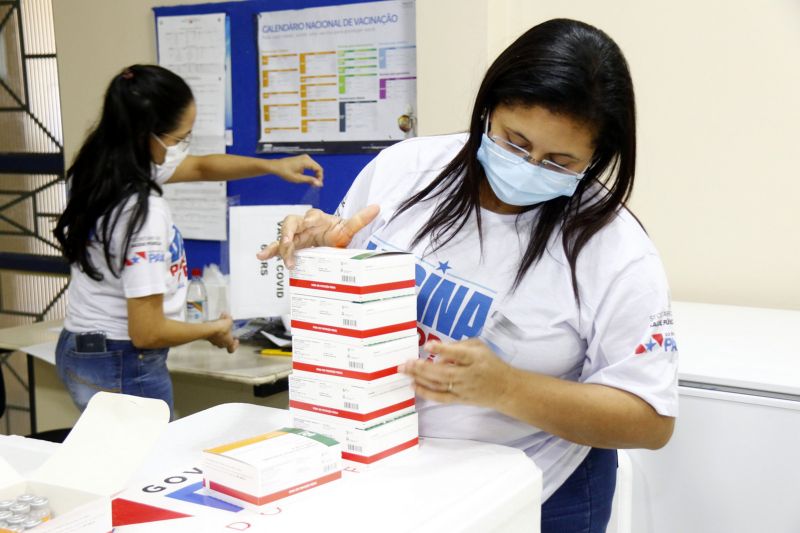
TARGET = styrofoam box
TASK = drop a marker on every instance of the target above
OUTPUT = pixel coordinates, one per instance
(363, 446)
(350, 398)
(257, 471)
(356, 362)
(352, 322)
(107, 444)
(352, 275)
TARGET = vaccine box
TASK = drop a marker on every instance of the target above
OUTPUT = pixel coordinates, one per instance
(362, 401)
(365, 363)
(352, 322)
(364, 446)
(257, 471)
(108, 443)
(352, 275)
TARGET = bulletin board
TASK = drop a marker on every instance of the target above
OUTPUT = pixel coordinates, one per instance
(340, 169)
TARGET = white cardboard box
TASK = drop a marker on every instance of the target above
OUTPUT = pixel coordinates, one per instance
(354, 323)
(363, 446)
(257, 471)
(356, 362)
(107, 444)
(362, 401)
(352, 275)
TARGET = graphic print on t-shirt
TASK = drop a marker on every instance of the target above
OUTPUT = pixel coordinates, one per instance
(178, 257)
(448, 307)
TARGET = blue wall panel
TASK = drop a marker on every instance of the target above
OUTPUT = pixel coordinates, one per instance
(340, 169)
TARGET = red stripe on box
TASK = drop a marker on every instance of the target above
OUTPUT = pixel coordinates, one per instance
(347, 332)
(363, 459)
(351, 289)
(342, 373)
(349, 414)
(261, 500)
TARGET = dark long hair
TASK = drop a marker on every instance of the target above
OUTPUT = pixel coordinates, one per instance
(568, 68)
(114, 163)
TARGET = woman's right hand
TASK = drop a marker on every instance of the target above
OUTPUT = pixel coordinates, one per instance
(316, 228)
(223, 334)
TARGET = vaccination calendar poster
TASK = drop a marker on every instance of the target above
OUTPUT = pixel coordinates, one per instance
(337, 79)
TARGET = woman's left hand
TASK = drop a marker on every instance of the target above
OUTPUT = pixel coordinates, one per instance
(463, 372)
(291, 169)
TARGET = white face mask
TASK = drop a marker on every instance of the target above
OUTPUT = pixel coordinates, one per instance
(174, 156)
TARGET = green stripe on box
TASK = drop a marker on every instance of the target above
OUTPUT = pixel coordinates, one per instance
(322, 439)
(366, 255)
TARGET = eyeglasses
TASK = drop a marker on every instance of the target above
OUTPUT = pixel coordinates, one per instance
(183, 142)
(524, 155)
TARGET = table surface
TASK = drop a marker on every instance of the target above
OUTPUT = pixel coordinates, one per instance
(198, 358)
(445, 485)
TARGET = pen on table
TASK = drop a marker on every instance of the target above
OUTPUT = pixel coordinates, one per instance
(275, 351)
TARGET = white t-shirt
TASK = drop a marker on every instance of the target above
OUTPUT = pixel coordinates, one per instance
(155, 264)
(621, 335)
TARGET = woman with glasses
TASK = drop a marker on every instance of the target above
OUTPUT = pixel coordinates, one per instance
(129, 276)
(543, 308)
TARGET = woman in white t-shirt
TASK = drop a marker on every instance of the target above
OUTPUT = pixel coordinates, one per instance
(542, 306)
(129, 276)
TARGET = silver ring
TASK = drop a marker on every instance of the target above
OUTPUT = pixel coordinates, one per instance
(450, 387)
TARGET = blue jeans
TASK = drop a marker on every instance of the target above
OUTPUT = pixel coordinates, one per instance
(583, 503)
(121, 368)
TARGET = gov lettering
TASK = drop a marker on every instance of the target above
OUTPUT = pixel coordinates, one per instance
(173, 480)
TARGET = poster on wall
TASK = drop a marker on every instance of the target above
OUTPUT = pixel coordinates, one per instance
(196, 48)
(340, 79)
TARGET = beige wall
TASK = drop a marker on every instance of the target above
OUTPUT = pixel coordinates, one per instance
(718, 95)
(95, 39)
(717, 86)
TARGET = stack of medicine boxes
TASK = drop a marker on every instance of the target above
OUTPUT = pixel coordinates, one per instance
(353, 323)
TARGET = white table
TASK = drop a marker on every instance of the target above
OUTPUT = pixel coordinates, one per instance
(267, 374)
(445, 486)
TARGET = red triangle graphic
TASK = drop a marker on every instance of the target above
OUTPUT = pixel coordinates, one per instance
(659, 338)
(125, 512)
(640, 350)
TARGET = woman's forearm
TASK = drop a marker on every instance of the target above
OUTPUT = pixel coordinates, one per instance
(165, 333)
(585, 413)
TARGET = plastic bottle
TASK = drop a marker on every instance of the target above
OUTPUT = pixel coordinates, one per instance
(196, 299)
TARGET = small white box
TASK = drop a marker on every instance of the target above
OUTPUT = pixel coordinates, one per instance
(364, 446)
(257, 471)
(352, 275)
(354, 323)
(107, 444)
(362, 401)
(356, 362)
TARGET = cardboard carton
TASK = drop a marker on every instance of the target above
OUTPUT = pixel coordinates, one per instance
(362, 401)
(354, 323)
(352, 275)
(356, 362)
(363, 446)
(257, 471)
(107, 444)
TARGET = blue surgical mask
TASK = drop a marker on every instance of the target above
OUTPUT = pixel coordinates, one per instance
(517, 182)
